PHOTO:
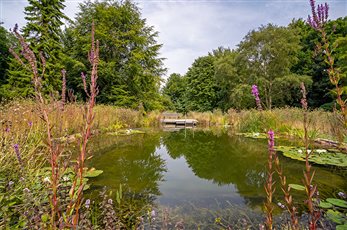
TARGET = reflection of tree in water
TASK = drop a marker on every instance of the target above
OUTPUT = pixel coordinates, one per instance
(133, 163)
(228, 159)
(224, 159)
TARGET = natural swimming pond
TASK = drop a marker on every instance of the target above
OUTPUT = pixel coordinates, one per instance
(205, 169)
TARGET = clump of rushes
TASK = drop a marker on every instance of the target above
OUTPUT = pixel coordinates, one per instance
(308, 176)
(317, 21)
(287, 197)
(255, 93)
(269, 185)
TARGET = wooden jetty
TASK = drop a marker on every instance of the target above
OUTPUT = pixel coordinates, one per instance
(173, 119)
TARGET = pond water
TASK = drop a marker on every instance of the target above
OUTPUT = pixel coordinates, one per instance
(211, 169)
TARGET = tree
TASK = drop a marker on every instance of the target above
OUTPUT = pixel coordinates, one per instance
(321, 94)
(175, 88)
(202, 88)
(130, 67)
(43, 33)
(266, 55)
(4, 53)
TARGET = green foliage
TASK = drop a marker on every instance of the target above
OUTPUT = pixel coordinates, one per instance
(43, 33)
(130, 68)
(201, 85)
(175, 89)
(297, 187)
(311, 59)
(265, 57)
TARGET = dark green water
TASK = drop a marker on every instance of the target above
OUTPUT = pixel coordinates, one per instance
(210, 169)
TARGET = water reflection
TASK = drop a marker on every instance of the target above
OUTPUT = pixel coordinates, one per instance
(208, 168)
(131, 161)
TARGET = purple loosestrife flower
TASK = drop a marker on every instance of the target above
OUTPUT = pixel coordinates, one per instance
(319, 15)
(271, 142)
(16, 150)
(255, 93)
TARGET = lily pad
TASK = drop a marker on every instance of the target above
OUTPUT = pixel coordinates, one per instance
(254, 135)
(297, 187)
(337, 202)
(323, 204)
(319, 156)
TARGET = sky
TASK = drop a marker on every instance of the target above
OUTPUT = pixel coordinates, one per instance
(189, 29)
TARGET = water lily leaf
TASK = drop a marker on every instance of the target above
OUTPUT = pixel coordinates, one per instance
(335, 216)
(93, 173)
(337, 202)
(297, 187)
(323, 204)
(319, 156)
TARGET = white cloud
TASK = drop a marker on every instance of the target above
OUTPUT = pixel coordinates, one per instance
(189, 29)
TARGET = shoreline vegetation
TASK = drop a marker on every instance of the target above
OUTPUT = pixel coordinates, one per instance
(20, 115)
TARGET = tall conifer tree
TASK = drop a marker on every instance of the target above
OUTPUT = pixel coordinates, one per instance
(43, 33)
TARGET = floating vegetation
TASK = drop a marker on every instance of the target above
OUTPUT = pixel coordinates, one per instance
(123, 132)
(254, 135)
(319, 156)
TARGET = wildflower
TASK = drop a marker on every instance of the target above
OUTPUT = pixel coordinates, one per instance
(255, 93)
(281, 205)
(153, 213)
(30, 123)
(321, 150)
(66, 178)
(10, 183)
(271, 134)
(87, 204)
(110, 201)
(16, 150)
(26, 190)
(46, 180)
(300, 151)
(342, 195)
(319, 15)
(217, 220)
(7, 129)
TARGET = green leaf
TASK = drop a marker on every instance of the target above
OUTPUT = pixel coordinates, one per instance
(297, 187)
(93, 173)
(335, 216)
(341, 227)
(323, 204)
(45, 218)
(337, 202)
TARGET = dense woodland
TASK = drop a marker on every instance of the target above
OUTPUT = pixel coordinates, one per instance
(131, 71)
